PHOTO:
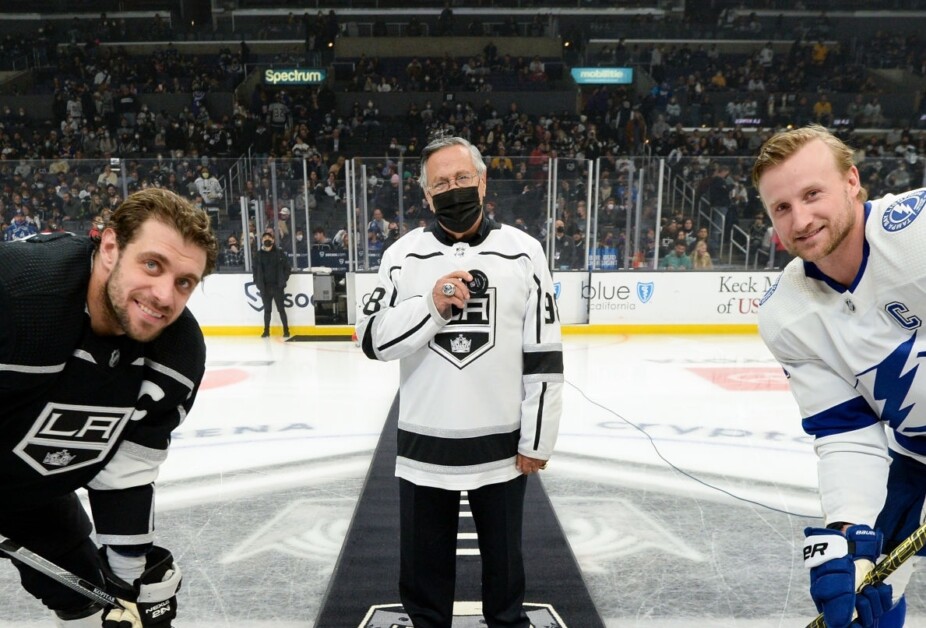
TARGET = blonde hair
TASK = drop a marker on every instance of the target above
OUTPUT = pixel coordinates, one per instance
(782, 145)
(701, 259)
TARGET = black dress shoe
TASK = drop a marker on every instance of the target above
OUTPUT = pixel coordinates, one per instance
(266, 334)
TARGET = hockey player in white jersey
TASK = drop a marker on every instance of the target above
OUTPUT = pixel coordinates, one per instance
(467, 306)
(844, 320)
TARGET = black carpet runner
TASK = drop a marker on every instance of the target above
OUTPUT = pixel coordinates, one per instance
(364, 588)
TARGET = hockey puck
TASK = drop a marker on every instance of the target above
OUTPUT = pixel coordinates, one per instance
(479, 283)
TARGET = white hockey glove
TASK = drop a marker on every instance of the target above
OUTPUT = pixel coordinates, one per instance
(151, 601)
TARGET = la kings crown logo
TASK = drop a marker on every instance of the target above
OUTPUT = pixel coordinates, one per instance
(470, 332)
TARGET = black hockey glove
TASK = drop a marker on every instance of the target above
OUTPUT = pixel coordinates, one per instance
(151, 601)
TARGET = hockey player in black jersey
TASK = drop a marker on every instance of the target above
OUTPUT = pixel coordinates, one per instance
(467, 306)
(99, 361)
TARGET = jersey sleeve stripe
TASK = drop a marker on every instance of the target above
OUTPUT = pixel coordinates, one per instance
(393, 298)
(367, 342)
(543, 362)
(846, 417)
(539, 315)
(22, 368)
(537, 429)
(410, 332)
(125, 539)
(133, 465)
(173, 374)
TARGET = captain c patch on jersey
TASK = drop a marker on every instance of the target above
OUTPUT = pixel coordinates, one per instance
(470, 332)
(65, 437)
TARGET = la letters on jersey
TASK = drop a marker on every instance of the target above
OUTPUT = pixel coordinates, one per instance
(470, 332)
(66, 437)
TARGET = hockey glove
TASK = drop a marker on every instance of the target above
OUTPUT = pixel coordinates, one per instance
(152, 600)
(838, 563)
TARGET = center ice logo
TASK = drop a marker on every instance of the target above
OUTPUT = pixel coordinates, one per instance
(465, 615)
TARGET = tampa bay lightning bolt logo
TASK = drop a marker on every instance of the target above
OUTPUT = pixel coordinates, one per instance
(645, 290)
(892, 383)
(900, 214)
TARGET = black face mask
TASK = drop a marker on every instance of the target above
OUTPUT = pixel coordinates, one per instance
(268, 243)
(457, 209)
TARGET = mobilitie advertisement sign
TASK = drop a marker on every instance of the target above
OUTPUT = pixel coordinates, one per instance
(602, 76)
(294, 76)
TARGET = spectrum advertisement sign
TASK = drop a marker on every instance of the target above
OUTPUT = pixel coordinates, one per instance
(676, 298)
(294, 76)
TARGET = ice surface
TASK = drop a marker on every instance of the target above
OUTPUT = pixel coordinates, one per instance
(675, 459)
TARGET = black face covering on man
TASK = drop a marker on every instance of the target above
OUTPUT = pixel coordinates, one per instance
(457, 209)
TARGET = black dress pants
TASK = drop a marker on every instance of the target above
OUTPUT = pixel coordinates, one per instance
(429, 525)
(271, 294)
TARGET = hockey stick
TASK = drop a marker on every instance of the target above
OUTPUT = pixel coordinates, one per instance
(910, 546)
(53, 571)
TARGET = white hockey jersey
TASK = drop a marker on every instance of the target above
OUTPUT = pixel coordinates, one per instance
(487, 384)
(853, 357)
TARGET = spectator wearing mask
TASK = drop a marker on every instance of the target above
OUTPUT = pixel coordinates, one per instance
(563, 248)
(302, 250)
(271, 272)
(232, 254)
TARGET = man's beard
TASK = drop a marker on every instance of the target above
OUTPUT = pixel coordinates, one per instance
(839, 229)
(111, 293)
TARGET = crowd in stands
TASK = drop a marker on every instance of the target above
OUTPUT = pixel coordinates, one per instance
(321, 29)
(489, 71)
(56, 173)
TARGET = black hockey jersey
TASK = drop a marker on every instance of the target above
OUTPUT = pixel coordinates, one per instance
(78, 409)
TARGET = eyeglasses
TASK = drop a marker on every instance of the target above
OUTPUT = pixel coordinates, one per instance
(462, 181)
